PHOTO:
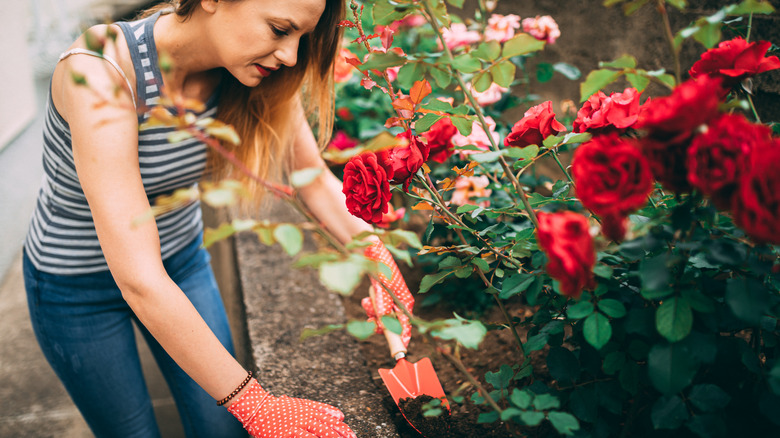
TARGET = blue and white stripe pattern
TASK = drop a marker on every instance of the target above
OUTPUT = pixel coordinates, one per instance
(62, 238)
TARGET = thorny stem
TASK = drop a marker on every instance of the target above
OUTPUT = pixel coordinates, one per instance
(507, 170)
(563, 169)
(661, 7)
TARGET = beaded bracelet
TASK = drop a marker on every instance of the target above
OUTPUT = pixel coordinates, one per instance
(236, 391)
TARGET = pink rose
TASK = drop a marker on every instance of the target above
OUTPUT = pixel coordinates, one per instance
(469, 187)
(542, 28)
(493, 94)
(501, 27)
(478, 137)
(342, 70)
(459, 35)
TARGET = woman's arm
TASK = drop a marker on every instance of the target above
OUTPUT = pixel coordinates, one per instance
(105, 149)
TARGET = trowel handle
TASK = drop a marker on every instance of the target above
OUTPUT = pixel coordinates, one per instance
(397, 348)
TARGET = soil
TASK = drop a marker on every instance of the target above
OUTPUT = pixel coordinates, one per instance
(498, 347)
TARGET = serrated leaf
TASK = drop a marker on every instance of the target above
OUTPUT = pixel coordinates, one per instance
(441, 75)
(751, 6)
(674, 319)
(488, 51)
(613, 308)
(466, 63)
(503, 73)
(304, 177)
(520, 398)
(425, 122)
(430, 280)
(391, 323)
(384, 13)
(500, 379)
(341, 276)
(625, 61)
(361, 329)
(543, 402)
(597, 330)
(597, 80)
(464, 125)
(516, 284)
(564, 422)
(670, 367)
(289, 237)
(637, 81)
(521, 44)
(469, 333)
(382, 61)
(531, 418)
(580, 310)
(410, 72)
(482, 81)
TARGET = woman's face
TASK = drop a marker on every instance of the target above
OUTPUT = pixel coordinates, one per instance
(256, 37)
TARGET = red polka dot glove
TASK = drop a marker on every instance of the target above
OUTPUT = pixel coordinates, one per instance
(266, 416)
(384, 302)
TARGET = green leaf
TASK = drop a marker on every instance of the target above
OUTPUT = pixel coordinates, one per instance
(751, 6)
(289, 237)
(613, 362)
(525, 153)
(425, 122)
(361, 329)
(670, 367)
(708, 397)
(342, 276)
(564, 422)
(625, 61)
(679, 4)
(597, 80)
(707, 426)
(398, 236)
(603, 271)
(522, 44)
(384, 13)
(304, 177)
(503, 73)
(308, 333)
(211, 235)
(543, 402)
(468, 332)
(432, 279)
(502, 378)
(488, 51)
(597, 330)
(382, 61)
(464, 125)
(569, 71)
(482, 81)
(466, 63)
(631, 7)
(544, 72)
(409, 73)
(391, 323)
(521, 398)
(613, 308)
(638, 81)
(674, 319)
(563, 365)
(515, 284)
(466, 208)
(531, 418)
(654, 273)
(708, 34)
(457, 3)
(441, 75)
(747, 299)
(580, 310)
(535, 342)
(668, 413)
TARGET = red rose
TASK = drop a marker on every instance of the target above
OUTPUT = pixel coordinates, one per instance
(735, 60)
(668, 160)
(602, 114)
(366, 187)
(440, 140)
(565, 239)
(342, 141)
(402, 162)
(537, 124)
(757, 203)
(613, 179)
(717, 157)
(691, 104)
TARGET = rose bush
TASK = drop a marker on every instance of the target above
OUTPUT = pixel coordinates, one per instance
(650, 271)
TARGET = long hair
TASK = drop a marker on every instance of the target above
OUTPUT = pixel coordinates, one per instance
(265, 116)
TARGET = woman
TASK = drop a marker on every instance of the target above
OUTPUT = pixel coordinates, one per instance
(91, 268)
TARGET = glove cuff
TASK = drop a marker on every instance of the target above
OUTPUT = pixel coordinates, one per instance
(245, 408)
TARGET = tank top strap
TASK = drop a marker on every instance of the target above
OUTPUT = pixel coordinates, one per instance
(139, 35)
(108, 59)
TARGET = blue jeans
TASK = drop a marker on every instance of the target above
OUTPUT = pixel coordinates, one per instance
(85, 329)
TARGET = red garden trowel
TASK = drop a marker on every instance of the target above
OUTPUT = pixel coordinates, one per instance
(407, 379)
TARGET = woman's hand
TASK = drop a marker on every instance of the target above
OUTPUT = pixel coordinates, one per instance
(266, 416)
(384, 304)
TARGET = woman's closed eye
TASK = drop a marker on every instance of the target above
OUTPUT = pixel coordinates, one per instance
(279, 32)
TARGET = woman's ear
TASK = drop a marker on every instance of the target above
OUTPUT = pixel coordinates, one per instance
(209, 6)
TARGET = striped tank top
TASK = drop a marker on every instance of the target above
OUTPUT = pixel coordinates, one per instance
(62, 239)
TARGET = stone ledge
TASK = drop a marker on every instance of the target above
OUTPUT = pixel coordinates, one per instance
(279, 302)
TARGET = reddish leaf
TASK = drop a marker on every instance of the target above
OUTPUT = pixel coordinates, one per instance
(347, 23)
(420, 89)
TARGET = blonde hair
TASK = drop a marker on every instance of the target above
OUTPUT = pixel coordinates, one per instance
(265, 116)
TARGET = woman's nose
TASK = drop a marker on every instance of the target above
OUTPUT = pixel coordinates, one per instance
(287, 53)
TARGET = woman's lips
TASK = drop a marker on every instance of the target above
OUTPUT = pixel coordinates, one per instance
(263, 71)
